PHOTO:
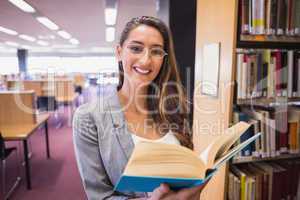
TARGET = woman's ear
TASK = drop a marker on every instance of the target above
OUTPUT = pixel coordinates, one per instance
(119, 52)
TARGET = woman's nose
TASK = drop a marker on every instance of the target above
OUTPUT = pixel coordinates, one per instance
(145, 57)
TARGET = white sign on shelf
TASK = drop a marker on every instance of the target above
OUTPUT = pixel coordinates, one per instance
(210, 69)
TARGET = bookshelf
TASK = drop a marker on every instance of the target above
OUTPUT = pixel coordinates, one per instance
(220, 22)
(265, 35)
(267, 95)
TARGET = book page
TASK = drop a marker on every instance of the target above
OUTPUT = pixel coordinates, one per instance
(221, 145)
(164, 160)
(205, 154)
(235, 150)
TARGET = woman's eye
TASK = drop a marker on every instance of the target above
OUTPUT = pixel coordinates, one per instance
(157, 52)
(136, 49)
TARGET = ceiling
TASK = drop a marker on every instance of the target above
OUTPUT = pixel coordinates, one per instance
(83, 19)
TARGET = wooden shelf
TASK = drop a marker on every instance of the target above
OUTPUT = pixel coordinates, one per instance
(268, 42)
(248, 159)
(270, 38)
(269, 102)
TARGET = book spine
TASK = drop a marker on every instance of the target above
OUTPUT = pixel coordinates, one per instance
(259, 74)
(273, 17)
(254, 16)
(298, 136)
(265, 78)
(292, 129)
(272, 137)
(278, 73)
(268, 29)
(293, 17)
(298, 64)
(250, 17)
(261, 17)
(289, 17)
(281, 17)
(271, 77)
(240, 61)
(283, 133)
(249, 69)
(297, 17)
(290, 73)
(244, 76)
(295, 75)
(284, 73)
(245, 16)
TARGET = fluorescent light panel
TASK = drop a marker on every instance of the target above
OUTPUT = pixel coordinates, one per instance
(110, 34)
(74, 41)
(23, 5)
(110, 16)
(8, 31)
(25, 47)
(14, 44)
(48, 23)
(27, 37)
(42, 43)
(64, 34)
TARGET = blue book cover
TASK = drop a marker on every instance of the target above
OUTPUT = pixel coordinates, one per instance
(247, 151)
(148, 184)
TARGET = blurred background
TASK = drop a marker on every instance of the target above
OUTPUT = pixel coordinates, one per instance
(56, 55)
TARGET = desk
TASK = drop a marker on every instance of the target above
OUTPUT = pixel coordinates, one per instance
(22, 133)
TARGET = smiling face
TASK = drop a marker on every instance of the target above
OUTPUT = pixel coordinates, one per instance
(141, 55)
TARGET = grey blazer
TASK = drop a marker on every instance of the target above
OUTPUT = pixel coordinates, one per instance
(103, 145)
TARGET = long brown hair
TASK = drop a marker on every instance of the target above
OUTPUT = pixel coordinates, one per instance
(171, 101)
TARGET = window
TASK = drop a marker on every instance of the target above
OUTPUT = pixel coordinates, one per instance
(64, 65)
(9, 65)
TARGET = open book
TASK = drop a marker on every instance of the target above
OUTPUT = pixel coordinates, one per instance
(153, 163)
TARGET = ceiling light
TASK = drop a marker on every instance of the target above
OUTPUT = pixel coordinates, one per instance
(46, 37)
(63, 46)
(74, 41)
(8, 31)
(64, 34)
(27, 37)
(43, 43)
(14, 44)
(110, 34)
(48, 23)
(23, 5)
(25, 47)
(71, 50)
(110, 16)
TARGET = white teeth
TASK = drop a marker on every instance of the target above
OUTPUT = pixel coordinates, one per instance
(142, 71)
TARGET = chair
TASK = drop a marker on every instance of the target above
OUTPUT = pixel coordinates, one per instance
(47, 103)
(4, 154)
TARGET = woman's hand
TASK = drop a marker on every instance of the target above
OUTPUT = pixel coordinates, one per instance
(164, 193)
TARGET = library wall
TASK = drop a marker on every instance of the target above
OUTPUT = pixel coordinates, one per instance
(216, 22)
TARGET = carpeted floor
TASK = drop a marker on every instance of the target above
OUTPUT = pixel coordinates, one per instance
(56, 178)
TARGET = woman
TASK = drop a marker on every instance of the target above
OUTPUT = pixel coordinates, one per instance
(149, 104)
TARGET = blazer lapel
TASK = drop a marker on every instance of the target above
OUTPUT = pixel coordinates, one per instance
(120, 127)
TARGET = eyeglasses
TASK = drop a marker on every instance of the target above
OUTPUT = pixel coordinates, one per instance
(155, 52)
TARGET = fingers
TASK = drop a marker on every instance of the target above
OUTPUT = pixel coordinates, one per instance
(190, 193)
(159, 192)
(164, 192)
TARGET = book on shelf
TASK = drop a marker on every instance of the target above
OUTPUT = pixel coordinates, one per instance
(153, 163)
(270, 17)
(265, 180)
(280, 132)
(268, 73)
